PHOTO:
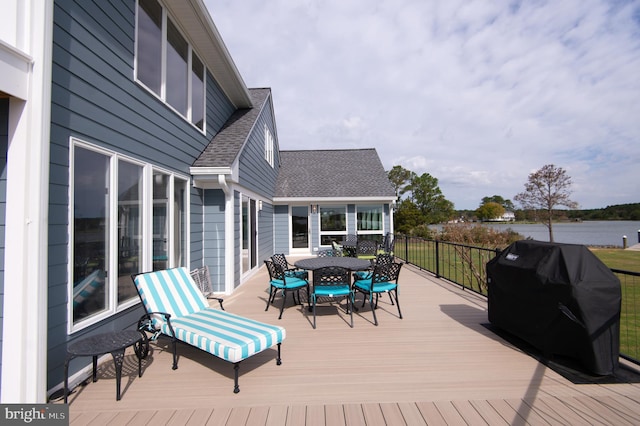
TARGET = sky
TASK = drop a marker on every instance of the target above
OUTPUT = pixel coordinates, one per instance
(476, 93)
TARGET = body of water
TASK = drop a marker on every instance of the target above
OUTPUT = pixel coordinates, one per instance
(589, 233)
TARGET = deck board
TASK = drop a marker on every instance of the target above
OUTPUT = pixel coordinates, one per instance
(438, 365)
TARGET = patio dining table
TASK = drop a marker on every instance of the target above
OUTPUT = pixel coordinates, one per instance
(350, 263)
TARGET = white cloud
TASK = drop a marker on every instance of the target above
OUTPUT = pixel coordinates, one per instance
(476, 93)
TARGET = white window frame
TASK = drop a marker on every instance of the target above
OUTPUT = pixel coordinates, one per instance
(346, 222)
(380, 231)
(113, 307)
(163, 74)
(268, 146)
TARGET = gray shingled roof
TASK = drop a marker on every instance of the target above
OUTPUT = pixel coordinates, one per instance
(226, 145)
(332, 173)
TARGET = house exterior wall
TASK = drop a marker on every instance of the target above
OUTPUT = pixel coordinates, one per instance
(282, 225)
(95, 99)
(196, 221)
(265, 233)
(213, 247)
(256, 180)
(281, 229)
(255, 173)
(237, 238)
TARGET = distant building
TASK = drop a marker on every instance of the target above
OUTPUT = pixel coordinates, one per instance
(506, 217)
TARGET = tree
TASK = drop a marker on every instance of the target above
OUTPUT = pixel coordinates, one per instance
(489, 211)
(507, 204)
(426, 194)
(545, 189)
(401, 180)
(407, 217)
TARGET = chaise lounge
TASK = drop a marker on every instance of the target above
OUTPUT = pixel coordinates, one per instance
(176, 308)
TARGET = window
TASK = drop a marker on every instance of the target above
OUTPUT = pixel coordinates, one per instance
(149, 53)
(167, 65)
(333, 224)
(90, 225)
(268, 146)
(160, 221)
(369, 220)
(177, 70)
(130, 185)
(197, 92)
(116, 232)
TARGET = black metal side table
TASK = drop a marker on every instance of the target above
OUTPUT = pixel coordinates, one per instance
(114, 343)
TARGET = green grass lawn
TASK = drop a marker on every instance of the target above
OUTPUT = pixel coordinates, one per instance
(628, 260)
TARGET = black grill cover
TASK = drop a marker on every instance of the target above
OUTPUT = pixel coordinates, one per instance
(561, 299)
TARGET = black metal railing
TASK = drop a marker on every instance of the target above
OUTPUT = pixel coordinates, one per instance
(459, 263)
(465, 266)
(629, 315)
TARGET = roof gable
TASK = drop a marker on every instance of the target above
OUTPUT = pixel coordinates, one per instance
(341, 173)
(227, 144)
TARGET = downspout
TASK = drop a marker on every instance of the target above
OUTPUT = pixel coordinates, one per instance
(229, 245)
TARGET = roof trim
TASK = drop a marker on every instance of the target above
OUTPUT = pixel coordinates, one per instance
(205, 171)
(324, 200)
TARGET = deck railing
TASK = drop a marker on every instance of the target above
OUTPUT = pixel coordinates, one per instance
(465, 266)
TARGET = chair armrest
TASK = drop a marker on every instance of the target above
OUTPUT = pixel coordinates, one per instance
(145, 322)
(219, 299)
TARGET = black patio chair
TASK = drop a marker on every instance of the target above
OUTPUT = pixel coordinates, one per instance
(290, 270)
(381, 259)
(279, 281)
(367, 249)
(332, 282)
(387, 244)
(349, 244)
(384, 279)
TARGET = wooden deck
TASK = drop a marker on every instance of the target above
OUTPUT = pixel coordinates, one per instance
(438, 365)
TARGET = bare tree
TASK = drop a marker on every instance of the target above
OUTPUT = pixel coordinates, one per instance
(547, 188)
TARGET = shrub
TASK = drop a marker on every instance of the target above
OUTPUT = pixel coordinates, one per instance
(478, 235)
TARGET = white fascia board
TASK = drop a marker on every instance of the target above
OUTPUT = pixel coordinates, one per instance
(208, 177)
(327, 200)
(15, 68)
(203, 171)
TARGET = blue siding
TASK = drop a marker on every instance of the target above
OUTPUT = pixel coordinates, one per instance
(255, 172)
(95, 98)
(4, 145)
(351, 219)
(196, 220)
(219, 109)
(237, 243)
(213, 246)
(315, 232)
(281, 225)
(265, 233)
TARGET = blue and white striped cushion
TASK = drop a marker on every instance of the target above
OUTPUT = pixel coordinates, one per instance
(225, 335)
(172, 291)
